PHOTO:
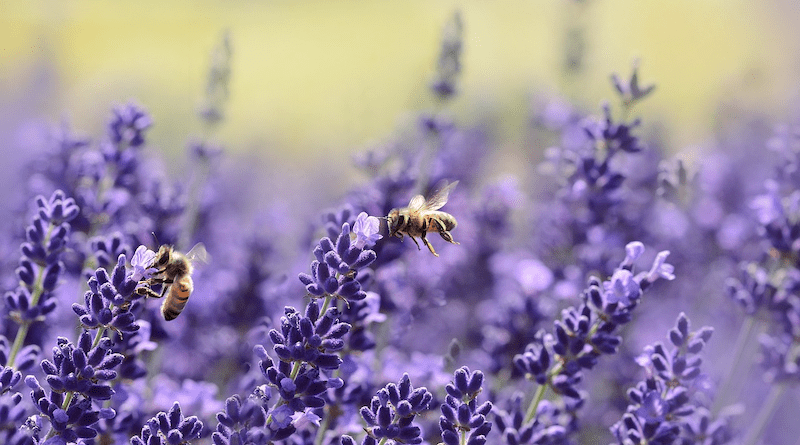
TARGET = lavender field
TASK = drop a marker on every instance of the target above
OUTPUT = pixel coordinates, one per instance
(605, 288)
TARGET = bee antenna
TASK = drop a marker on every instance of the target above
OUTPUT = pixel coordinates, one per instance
(155, 238)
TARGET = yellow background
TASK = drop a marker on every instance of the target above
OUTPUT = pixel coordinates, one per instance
(313, 76)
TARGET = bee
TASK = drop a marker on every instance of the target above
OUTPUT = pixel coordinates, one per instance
(174, 273)
(423, 216)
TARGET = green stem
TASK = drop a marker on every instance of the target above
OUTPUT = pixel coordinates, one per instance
(64, 406)
(67, 400)
(537, 397)
(760, 422)
(627, 106)
(745, 333)
(295, 370)
(98, 336)
(293, 374)
(36, 293)
(326, 304)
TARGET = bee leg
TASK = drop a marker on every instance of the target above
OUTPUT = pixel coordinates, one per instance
(445, 234)
(448, 237)
(147, 292)
(428, 243)
(415, 241)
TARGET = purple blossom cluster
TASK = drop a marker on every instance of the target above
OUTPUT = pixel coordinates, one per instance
(321, 329)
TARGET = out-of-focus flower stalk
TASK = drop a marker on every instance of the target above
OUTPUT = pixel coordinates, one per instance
(726, 385)
(755, 432)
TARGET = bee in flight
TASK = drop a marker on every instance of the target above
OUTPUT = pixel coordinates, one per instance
(174, 274)
(423, 216)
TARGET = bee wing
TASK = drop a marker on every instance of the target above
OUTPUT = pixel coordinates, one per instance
(417, 203)
(198, 253)
(439, 196)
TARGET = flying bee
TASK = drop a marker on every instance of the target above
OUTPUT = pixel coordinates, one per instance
(174, 274)
(423, 216)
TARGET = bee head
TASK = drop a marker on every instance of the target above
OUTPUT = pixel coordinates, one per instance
(163, 256)
(394, 221)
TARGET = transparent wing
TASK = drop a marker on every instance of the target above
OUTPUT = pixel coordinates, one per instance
(198, 254)
(439, 196)
(417, 202)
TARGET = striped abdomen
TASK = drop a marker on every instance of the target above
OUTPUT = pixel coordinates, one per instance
(177, 297)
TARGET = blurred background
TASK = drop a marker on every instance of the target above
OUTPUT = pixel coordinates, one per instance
(313, 83)
(313, 78)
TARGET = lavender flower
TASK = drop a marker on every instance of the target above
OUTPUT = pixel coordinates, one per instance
(39, 270)
(663, 404)
(448, 66)
(107, 249)
(583, 334)
(73, 377)
(128, 125)
(365, 231)
(629, 90)
(310, 339)
(108, 300)
(211, 110)
(391, 413)
(141, 261)
(241, 422)
(335, 270)
(614, 136)
(169, 428)
(461, 413)
(304, 346)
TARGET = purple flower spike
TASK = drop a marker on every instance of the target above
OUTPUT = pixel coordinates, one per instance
(630, 90)
(393, 409)
(334, 271)
(662, 406)
(461, 413)
(168, 428)
(108, 301)
(40, 267)
(128, 125)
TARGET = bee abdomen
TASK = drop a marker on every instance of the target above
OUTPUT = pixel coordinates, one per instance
(442, 223)
(449, 223)
(177, 298)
